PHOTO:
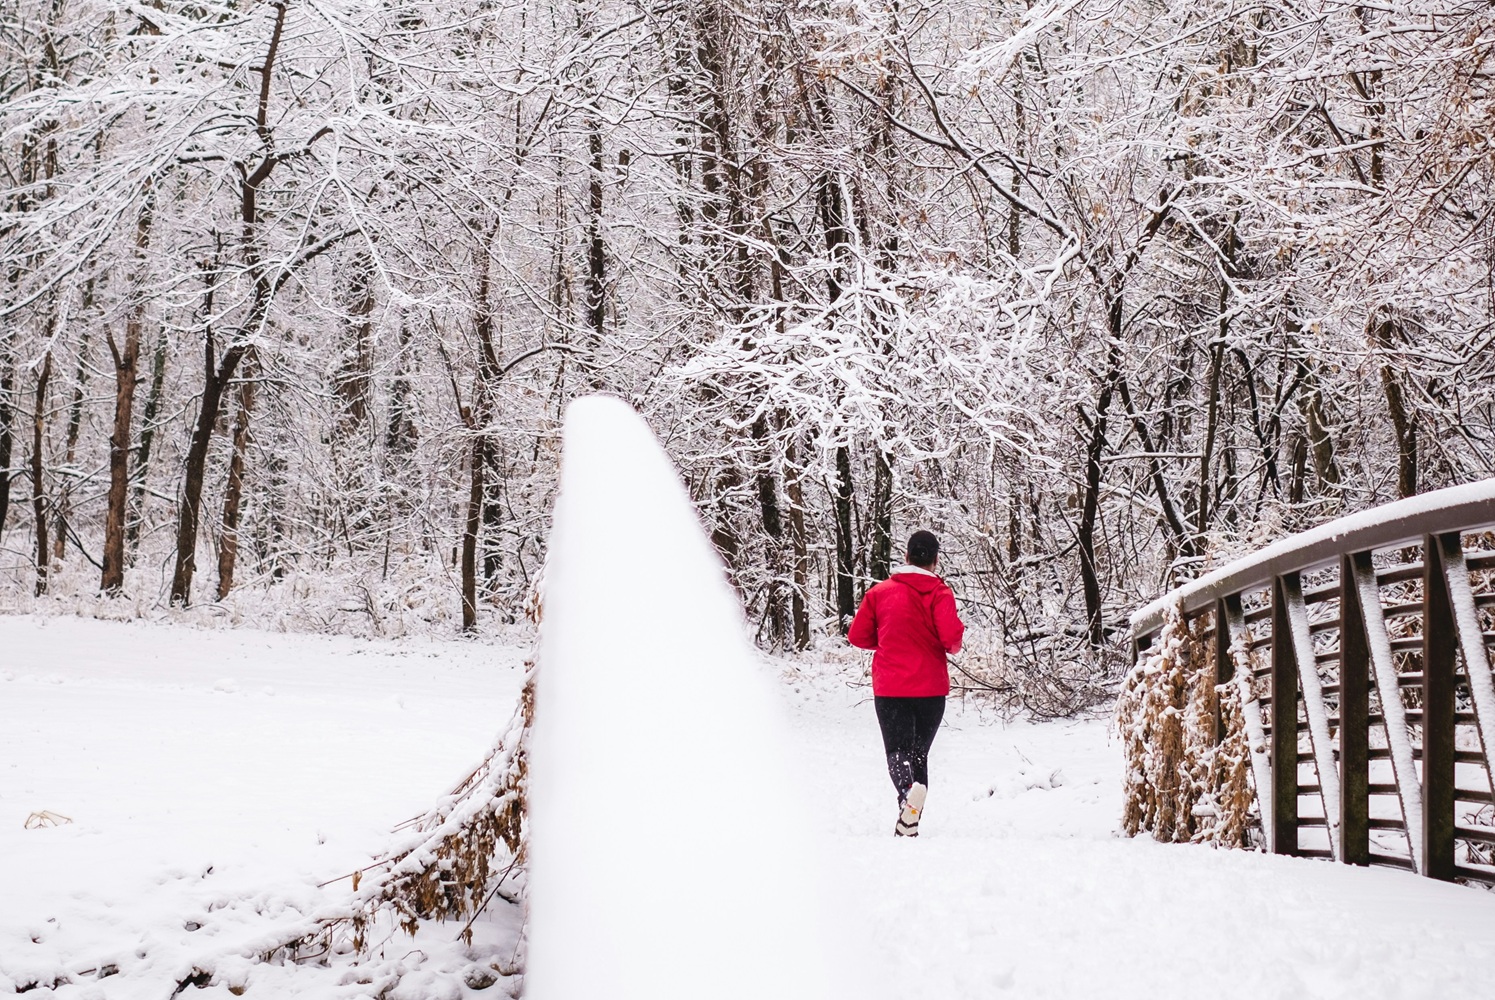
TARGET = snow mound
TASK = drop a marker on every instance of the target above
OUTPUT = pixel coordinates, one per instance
(669, 856)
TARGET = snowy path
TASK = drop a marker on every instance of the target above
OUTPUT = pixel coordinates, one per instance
(1016, 888)
(279, 761)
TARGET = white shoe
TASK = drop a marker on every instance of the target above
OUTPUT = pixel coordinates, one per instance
(913, 808)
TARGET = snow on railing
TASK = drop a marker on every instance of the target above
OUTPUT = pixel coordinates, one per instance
(1379, 625)
(668, 856)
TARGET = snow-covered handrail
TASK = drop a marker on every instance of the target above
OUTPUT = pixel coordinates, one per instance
(1418, 628)
(1458, 507)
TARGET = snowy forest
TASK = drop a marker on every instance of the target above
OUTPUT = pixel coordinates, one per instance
(1102, 291)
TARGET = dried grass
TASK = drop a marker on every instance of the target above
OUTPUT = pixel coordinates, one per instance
(1181, 785)
(458, 857)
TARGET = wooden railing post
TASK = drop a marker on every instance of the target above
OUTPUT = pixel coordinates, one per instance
(1439, 648)
(1354, 721)
(1284, 725)
(1224, 665)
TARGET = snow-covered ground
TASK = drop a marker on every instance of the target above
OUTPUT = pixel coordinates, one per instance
(214, 778)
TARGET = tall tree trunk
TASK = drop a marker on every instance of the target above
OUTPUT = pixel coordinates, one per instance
(217, 376)
(233, 492)
(773, 527)
(1403, 422)
(476, 419)
(126, 377)
(493, 554)
(595, 286)
(1310, 400)
(1212, 391)
(7, 432)
(136, 510)
(845, 544)
(38, 490)
(353, 381)
(70, 449)
(882, 518)
(399, 435)
(1090, 505)
(799, 611)
(477, 465)
(215, 379)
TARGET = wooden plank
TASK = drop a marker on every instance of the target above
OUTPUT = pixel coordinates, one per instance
(1392, 861)
(1439, 661)
(1393, 714)
(1482, 834)
(1284, 728)
(1459, 756)
(1224, 666)
(1320, 741)
(1354, 723)
(1400, 573)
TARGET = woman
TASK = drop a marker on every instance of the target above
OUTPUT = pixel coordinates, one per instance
(910, 621)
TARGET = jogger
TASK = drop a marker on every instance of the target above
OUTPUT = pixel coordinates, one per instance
(910, 621)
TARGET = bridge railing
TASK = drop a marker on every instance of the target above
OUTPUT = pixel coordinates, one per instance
(1367, 642)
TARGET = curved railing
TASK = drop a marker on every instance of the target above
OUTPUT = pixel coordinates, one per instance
(1379, 624)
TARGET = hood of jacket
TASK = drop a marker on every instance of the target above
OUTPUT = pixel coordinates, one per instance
(924, 583)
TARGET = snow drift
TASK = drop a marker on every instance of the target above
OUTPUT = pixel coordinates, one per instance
(668, 858)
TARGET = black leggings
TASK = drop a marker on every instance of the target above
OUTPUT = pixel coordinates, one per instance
(908, 728)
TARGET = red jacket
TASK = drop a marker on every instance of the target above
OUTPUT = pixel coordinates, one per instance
(910, 620)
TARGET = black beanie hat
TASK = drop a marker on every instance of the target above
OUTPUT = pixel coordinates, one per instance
(923, 549)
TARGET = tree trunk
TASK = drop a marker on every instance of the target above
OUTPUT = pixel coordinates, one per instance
(1320, 443)
(1090, 505)
(1212, 392)
(799, 611)
(773, 526)
(595, 286)
(477, 461)
(353, 381)
(882, 518)
(399, 434)
(214, 380)
(1403, 422)
(38, 492)
(126, 377)
(845, 544)
(493, 555)
(141, 472)
(476, 419)
(1211, 430)
(74, 425)
(233, 492)
(7, 433)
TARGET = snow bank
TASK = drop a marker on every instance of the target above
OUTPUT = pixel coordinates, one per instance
(668, 854)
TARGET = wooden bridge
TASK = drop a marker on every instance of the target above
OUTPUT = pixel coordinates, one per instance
(1369, 702)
